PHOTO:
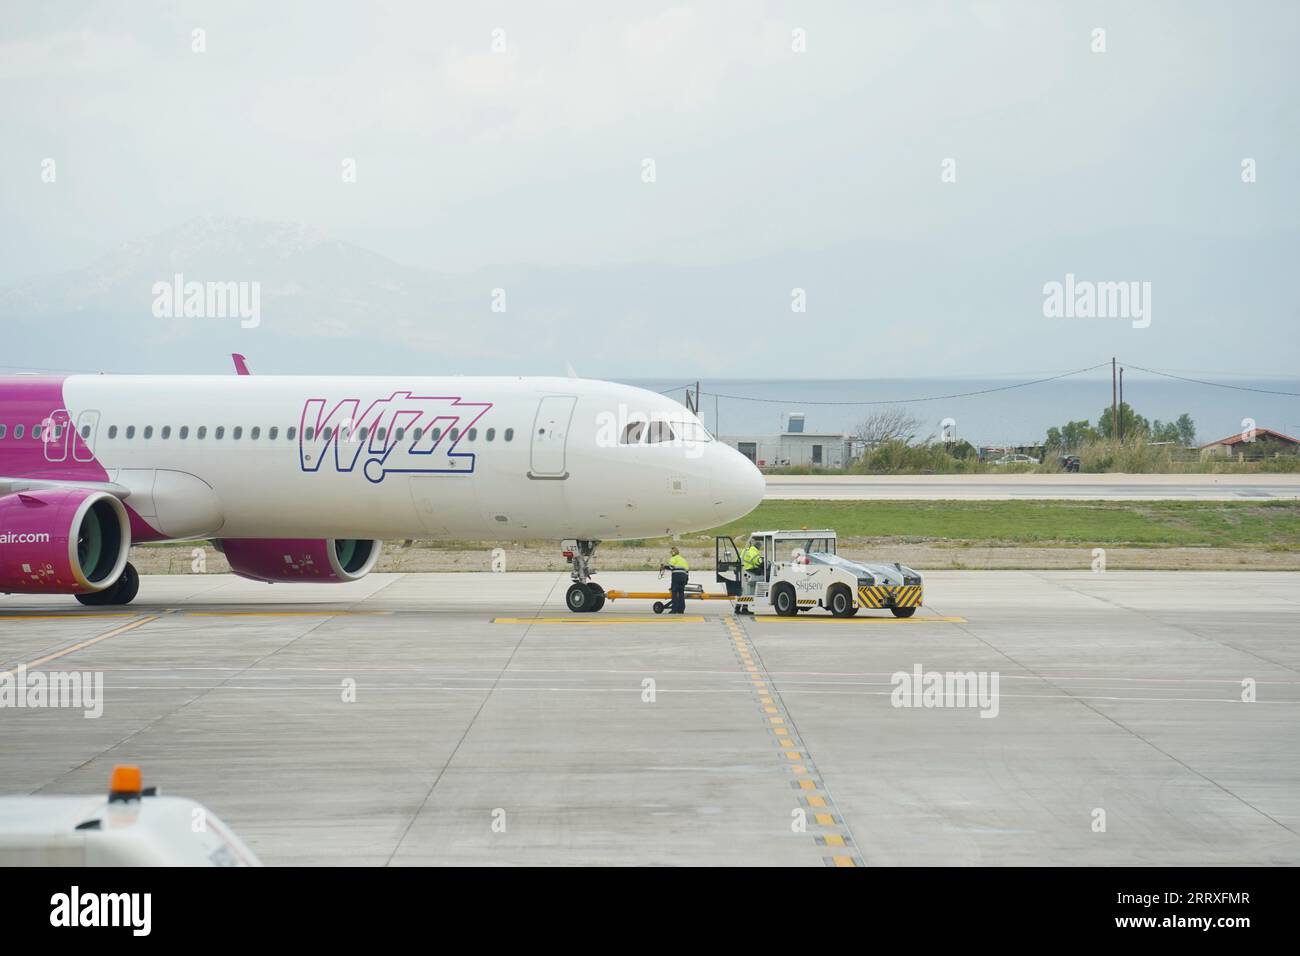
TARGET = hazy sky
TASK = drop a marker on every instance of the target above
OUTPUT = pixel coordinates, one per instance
(469, 159)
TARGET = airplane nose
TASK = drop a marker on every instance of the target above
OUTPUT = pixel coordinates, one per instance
(738, 486)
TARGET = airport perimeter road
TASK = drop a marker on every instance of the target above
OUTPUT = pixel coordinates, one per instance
(1106, 487)
(491, 726)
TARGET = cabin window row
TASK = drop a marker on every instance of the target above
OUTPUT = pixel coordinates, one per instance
(255, 433)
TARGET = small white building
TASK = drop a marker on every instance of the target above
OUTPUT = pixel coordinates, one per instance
(790, 449)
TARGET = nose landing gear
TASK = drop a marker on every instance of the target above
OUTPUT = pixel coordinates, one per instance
(584, 595)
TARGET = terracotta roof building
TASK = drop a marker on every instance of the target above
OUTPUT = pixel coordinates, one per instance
(1260, 443)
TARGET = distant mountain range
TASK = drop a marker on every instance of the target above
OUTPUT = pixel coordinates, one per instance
(310, 284)
(945, 305)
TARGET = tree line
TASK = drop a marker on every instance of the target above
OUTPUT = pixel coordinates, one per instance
(892, 425)
(1131, 426)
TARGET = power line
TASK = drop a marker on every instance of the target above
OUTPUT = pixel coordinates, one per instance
(1199, 381)
(898, 401)
(46, 368)
(909, 401)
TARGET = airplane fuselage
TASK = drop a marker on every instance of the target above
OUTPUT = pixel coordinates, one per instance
(375, 457)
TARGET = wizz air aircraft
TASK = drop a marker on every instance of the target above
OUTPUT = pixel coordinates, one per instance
(299, 478)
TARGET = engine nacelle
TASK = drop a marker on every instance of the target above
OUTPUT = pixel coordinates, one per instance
(306, 560)
(62, 541)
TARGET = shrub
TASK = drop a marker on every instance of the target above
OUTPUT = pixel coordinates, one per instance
(898, 457)
(1131, 457)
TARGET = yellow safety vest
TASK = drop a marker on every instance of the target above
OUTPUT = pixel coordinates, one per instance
(678, 563)
(751, 557)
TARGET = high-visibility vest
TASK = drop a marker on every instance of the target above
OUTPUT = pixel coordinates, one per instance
(678, 563)
(751, 557)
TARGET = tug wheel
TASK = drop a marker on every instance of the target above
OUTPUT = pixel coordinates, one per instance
(841, 603)
(783, 600)
(903, 611)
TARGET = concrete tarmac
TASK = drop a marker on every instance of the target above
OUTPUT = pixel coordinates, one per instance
(492, 727)
(1107, 487)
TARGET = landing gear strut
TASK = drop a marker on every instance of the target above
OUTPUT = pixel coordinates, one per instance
(584, 595)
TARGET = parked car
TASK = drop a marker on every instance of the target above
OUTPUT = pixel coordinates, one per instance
(1070, 463)
(1016, 460)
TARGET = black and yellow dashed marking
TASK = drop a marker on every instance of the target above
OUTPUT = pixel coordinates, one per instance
(830, 835)
(884, 595)
(909, 595)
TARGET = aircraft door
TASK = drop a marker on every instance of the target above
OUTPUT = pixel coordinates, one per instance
(550, 434)
(87, 428)
(55, 437)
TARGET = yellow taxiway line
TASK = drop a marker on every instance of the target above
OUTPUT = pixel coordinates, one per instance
(67, 616)
(765, 619)
(120, 629)
(323, 612)
(602, 619)
(74, 616)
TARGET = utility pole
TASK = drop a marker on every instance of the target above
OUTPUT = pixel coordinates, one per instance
(1120, 424)
(1114, 409)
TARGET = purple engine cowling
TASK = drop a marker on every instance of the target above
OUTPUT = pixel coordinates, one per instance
(62, 541)
(305, 560)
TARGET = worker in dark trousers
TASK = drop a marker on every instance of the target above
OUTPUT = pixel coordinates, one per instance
(751, 564)
(681, 572)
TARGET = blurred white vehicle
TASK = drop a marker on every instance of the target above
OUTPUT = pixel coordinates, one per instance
(132, 826)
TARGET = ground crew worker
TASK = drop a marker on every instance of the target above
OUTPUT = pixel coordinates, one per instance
(681, 571)
(751, 565)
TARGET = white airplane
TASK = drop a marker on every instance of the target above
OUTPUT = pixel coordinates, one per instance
(300, 478)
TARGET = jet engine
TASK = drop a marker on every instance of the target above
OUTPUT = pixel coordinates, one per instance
(62, 541)
(306, 560)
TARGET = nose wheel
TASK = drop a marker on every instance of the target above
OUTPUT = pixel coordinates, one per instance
(584, 595)
(585, 598)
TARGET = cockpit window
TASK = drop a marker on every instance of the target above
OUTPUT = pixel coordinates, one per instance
(660, 432)
(692, 431)
(665, 430)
